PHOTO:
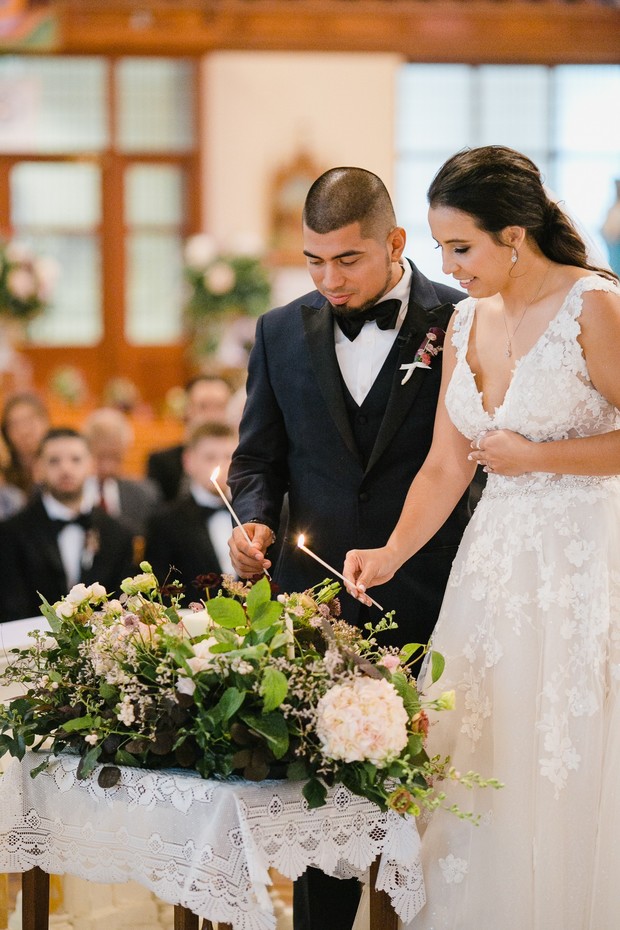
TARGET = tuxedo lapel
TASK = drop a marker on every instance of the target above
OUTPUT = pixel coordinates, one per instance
(45, 538)
(422, 313)
(319, 330)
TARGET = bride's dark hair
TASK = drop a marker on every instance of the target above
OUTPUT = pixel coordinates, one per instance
(500, 187)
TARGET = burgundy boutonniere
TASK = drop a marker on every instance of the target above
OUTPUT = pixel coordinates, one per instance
(429, 349)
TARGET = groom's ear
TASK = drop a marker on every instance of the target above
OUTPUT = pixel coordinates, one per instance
(396, 240)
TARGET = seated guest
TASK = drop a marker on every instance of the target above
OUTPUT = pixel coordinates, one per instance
(109, 436)
(190, 535)
(207, 399)
(53, 543)
(24, 422)
(12, 499)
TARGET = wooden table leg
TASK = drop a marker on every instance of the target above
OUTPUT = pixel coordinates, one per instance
(35, 899)
(382, 914)
(184, 919)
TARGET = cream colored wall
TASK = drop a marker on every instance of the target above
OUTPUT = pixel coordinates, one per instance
(263, 107)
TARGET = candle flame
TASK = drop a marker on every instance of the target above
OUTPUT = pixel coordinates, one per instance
(214, 474)
(301, 539)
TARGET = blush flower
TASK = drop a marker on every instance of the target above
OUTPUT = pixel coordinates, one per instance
(364, 720)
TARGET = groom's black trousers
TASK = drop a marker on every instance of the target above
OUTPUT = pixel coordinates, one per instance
(321, 902)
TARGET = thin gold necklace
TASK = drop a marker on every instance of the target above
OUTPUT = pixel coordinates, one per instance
(509, 336)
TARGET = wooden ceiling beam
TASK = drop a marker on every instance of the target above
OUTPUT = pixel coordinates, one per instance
(440, 31)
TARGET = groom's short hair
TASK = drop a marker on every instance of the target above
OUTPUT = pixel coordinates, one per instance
(343, 196)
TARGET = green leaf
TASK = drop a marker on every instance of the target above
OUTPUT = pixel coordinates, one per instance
(229, 703)
(297, 771)
(281, 639)
(78, 723)
(437, 665)
(258, 595)
(122, 757)
(109, 776)
(315, 793)
(227, 612)
(107, 691)
(266, 615)
(273, 687)
(407, 693)
(50, 614)
(408, 650)
(88, 762)
(415, 744)
(273, 729)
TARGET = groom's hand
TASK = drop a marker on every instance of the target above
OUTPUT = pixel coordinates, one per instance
(249, 559)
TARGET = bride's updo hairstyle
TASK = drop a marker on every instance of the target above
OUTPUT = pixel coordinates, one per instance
(499, 187)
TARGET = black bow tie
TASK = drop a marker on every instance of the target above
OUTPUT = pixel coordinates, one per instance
(384, 314)
(85, 520)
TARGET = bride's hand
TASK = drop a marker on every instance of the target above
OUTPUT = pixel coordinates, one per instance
(502, 452)
(367, 568)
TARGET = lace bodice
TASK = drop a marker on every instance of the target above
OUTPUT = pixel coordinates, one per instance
(550, 396)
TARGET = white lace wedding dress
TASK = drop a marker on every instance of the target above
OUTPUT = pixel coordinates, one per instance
(530, 629)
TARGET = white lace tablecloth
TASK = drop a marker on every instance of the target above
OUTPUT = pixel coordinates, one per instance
(206, 845)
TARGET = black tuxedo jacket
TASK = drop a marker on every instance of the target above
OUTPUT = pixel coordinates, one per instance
(177, 537)
(30, 560)
(165, 468)
(295, 436)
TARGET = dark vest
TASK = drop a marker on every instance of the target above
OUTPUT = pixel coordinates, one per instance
(366, 418)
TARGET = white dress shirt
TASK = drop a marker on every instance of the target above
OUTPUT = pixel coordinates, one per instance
(362, 359)
(70, 538)
(218, 525)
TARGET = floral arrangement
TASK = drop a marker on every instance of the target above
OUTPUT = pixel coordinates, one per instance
(223, 283)
(242, 683)
(26, 281)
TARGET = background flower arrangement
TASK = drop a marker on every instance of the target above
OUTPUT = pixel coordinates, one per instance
(244, 685)
(26, 281)
(223, 286)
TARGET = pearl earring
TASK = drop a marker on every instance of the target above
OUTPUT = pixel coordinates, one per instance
(515, 256)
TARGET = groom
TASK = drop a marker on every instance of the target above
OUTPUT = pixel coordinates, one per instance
(339, 416)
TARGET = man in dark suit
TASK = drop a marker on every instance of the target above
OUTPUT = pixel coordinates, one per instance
(188, 537)
(206, 401)
(52, 544)
(341, 399)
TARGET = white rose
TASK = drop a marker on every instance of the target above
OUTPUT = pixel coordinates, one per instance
(78, 594)
(203, 658)
(219, 278)
(21, 283)
(364, 720)
(185, 685)
(144, 583)
(64, 609)
(200, 250)
(97, 590)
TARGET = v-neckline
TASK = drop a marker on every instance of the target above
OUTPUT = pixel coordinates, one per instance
(518, 362)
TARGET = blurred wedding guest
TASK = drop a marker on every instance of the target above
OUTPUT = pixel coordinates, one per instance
(109, 435)
(12, 499)
(24, 422)
(188, 537)
(206, 401)
(56, 542)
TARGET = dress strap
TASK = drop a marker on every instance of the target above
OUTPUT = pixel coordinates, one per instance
(463, 320)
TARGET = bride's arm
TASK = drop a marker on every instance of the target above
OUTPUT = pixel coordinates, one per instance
(508, 453)
(433, 495)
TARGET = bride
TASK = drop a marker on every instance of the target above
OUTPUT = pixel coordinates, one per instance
(530, 625)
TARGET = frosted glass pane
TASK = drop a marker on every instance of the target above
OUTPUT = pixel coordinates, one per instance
(586, 185)
(75, 319)
(587, 108)
(514, 107)
(154, 288)
(433, 108)
(60, 195)
(155, 105)
(154, 195)
(413, 177)
(52, 104)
